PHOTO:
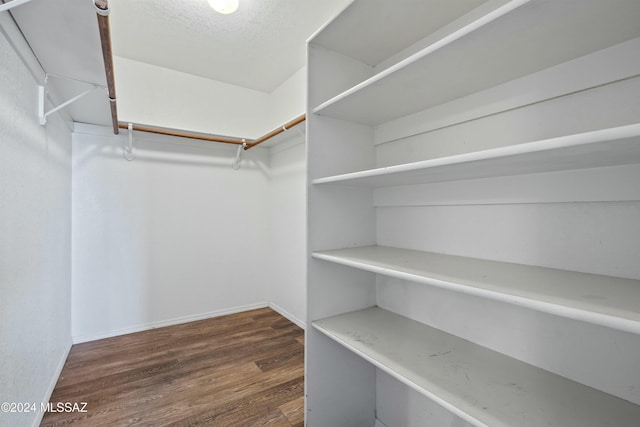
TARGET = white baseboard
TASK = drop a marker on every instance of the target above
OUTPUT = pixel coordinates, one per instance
(54, 380)
(169, 322)
(285, 313)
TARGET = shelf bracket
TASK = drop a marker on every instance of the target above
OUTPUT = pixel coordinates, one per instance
(42, 93)
(11, 4)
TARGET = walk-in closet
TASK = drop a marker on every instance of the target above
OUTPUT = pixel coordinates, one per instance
(336, 213)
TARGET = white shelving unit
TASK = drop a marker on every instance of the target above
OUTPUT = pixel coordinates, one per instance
(481, 386)
(552, 340)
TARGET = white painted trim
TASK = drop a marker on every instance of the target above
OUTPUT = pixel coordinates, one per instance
(169, 322)
(275, 307)
(52, 384)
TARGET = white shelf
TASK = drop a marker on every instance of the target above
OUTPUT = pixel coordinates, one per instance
(607, 147)
(481, 386)
(373, 46)
(497, 47)
(608, 301)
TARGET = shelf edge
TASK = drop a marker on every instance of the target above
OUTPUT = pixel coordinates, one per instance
(566, 141)
(582, 315)
(430, 395)
(467, 29)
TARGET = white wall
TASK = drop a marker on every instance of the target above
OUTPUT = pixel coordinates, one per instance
(287, 243)
(35, 242)
(288, 100)
(174, 235)
(152, 95)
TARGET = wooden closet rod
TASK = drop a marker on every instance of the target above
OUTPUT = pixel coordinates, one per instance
(102, 9)
(213, 138)
(161, 131)
(278, 131)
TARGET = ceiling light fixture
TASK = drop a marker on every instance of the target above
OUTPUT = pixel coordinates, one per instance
(224, 6)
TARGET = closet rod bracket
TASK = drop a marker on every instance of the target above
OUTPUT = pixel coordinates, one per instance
(236, 161)
(128, 150)
(102, 7)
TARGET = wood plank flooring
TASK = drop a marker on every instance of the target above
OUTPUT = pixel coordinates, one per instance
(245, 369)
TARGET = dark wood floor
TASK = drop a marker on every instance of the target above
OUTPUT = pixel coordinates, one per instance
(244, 370)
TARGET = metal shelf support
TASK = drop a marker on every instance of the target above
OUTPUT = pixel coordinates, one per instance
(42, 115)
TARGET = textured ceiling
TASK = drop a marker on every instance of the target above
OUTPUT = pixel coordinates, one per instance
(258, 47)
